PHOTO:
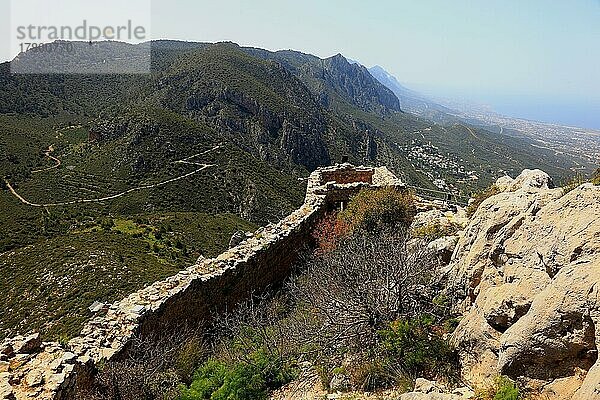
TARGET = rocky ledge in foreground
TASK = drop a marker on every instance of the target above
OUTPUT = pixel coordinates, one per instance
(526, 274)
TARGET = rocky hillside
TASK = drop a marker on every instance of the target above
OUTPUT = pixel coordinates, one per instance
(410, 100)
(526, 274)
(292, 110)
(216, 138)
(522, 275)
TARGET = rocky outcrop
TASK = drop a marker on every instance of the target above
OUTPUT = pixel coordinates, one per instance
(32, 369)
(355, 82)
(431, 390)
(440, 227)
(274, 136)
(238, 237)
(526, 274)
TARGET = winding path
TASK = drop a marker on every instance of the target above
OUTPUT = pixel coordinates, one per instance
(114, 196)
(56, 160)
(470, 131)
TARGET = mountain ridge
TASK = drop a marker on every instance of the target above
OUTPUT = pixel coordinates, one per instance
(217, 138)
(582, 144)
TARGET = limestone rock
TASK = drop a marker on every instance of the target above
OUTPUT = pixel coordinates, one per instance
(438, 217)
(464, 392)
(444, 247)
(18, 360)
(558, 333)
(6, 391)
(340, 383)
(96, 306)
(237, 238)
(427, 218)
(68, 358)
(481, 246)
(432, 396)
(438, 222)
(477, 343)
(431, 390)
(28, 344)
(34, 378)
(526, 275)
(503, 183)
(532, 179)
(590, 389)
(425, 386)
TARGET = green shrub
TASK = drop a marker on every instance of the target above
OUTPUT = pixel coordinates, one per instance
(596, 177)
(372, 210)
(207, 380)
(480, 197)
(418, 349)
(502, 389)
(435, 231)
(367, 212)
(506, 389)
(573, 183)
(253, 380)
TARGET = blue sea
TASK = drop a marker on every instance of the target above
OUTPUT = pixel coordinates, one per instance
(574, 110)
(583, 114)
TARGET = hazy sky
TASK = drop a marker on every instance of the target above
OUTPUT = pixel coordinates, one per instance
(543, 53)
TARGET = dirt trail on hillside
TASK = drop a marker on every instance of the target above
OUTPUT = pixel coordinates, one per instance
(48, 153)
(114, 196)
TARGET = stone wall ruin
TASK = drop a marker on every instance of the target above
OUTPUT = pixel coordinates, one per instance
(30, 369)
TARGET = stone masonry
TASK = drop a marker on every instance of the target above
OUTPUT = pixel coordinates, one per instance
(30, 369)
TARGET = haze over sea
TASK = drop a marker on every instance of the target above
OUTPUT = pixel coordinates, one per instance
(576, 111)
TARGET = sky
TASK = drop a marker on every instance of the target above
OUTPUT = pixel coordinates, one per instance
(538, 59)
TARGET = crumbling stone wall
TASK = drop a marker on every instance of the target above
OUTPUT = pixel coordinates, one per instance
(30, 369)
(364, 175)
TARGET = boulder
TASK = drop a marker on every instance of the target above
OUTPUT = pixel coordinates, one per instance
(526, 275)
(34, 378)
(28, 344)
(431, 390)
(444, 247)
(425, 386)
(558, 333)
(481, 246)
(444, 226)
(237, 238)
(432, 396)
(590, 389)
(340, 383)
(96, 307)
(532, 179)
(6, 391)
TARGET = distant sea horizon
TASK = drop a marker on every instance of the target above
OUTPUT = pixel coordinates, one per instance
(575, 114)
(559, 110)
